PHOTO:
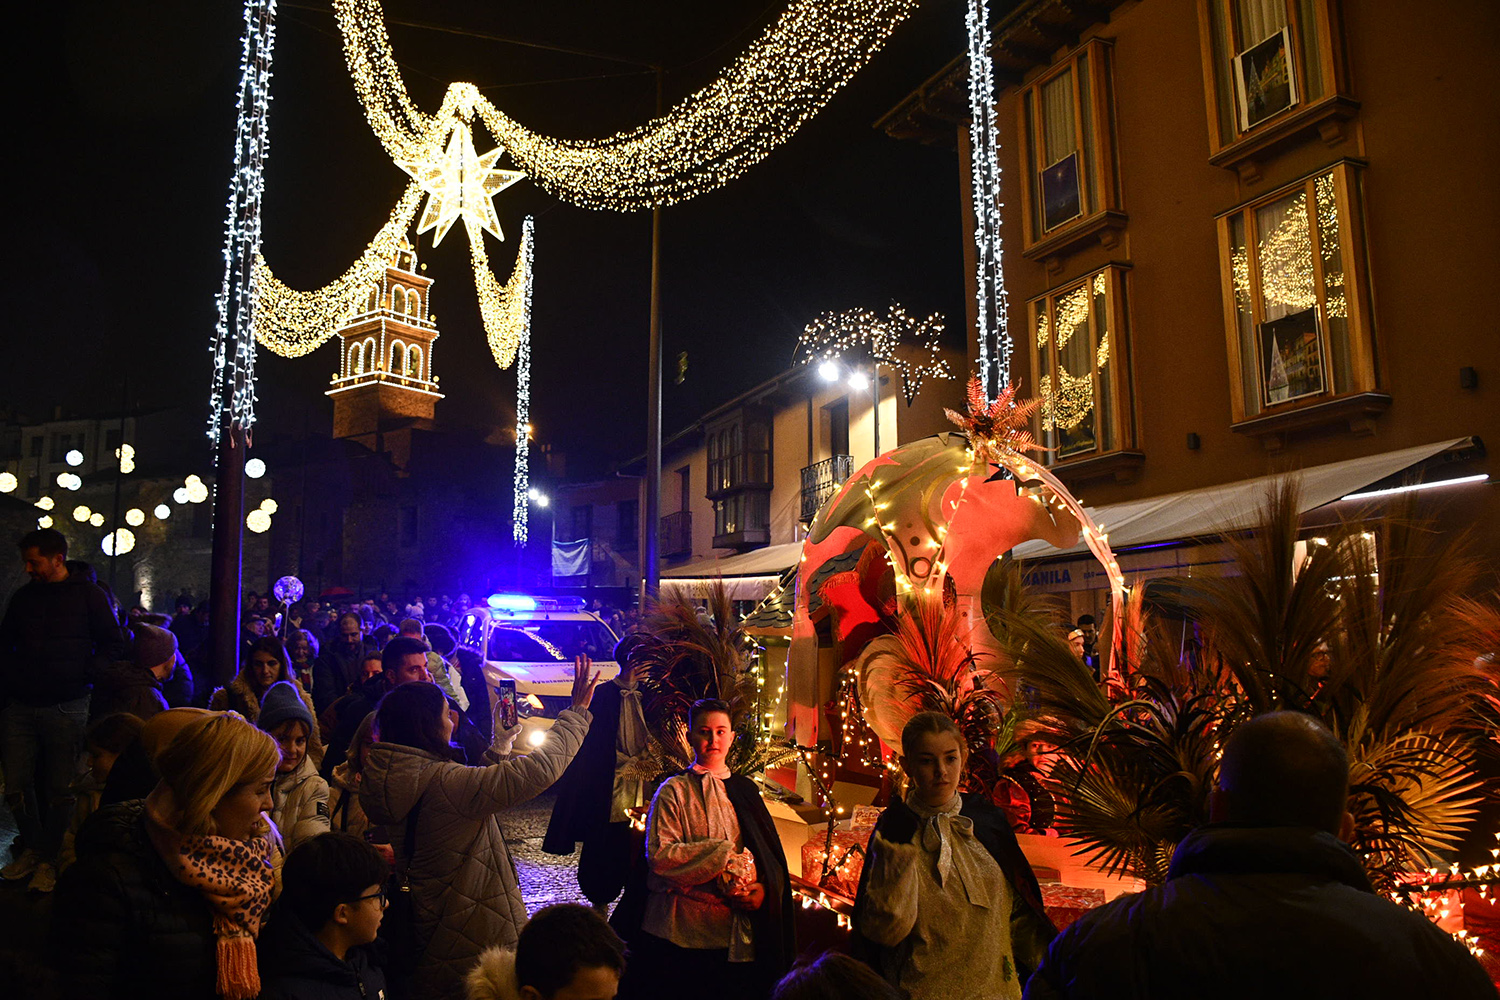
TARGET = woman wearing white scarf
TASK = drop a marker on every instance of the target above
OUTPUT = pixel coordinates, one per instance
(947, 905)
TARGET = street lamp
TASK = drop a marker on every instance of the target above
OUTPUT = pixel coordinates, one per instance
(831, 370)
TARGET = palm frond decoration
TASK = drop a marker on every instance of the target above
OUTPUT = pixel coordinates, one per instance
(999, 425)
(926, 664)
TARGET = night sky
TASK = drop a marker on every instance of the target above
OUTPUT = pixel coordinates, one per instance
(119, 215)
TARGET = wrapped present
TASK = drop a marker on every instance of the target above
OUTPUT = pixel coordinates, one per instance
(845, 859)
(1066, 903)
(864, 819)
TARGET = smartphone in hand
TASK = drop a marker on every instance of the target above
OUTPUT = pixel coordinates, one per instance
(505, 702)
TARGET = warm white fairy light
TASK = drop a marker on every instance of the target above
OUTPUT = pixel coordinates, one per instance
(8, 482)
(520, 301)
(82, 513)
(505, 309)
(984, 170)
(460, 182)
(96, 519)
(269, 506)
(232, 396)
(45, 503)
(258, 521)
(117, 542)
(45, 521)
(784, 78)
(833, 334)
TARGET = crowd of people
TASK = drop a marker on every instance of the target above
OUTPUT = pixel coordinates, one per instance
(327, 824)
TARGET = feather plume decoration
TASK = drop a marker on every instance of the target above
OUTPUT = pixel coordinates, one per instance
(1001, 425)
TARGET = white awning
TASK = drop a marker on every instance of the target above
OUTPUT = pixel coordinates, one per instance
(748, 576)
(1215, 509)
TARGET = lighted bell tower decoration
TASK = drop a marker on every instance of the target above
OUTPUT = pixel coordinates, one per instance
(385, 387)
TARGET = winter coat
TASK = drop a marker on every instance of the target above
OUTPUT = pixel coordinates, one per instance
(345, 813)
(1258, 912)
(300, 809)
(464, 889)
(54, 638)
(295, 965)
(122, 686)
(122, 925)
(335, 669)
(494, 977)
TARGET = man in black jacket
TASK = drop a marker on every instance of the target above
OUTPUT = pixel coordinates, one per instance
(1266, 900)
(57, 634)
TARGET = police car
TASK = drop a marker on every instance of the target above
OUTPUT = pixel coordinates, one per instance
(532, 641)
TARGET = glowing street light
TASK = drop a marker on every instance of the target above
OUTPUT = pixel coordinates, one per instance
(74, 458)
(828, 371)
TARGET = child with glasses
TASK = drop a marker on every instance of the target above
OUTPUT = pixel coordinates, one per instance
(316, 943)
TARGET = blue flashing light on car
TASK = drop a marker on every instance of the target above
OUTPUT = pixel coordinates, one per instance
(511, 602)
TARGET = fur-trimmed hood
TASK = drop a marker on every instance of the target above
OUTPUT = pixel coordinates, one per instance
(494, 978)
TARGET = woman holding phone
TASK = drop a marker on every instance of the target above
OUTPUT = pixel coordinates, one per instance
(445, 831)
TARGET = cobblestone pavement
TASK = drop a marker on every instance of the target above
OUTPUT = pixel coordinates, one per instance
(545, 878)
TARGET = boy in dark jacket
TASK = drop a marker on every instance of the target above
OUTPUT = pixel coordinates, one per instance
(317, 941)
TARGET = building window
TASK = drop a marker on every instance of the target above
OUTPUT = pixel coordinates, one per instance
(398, 299)
(627, 524)
(414, 362)
(1081, 368)
(581, 523)
(739, 454)
(408, 525)
(398, 358)
(372, 301)
(36, 446)
(745, 514)
(1297, 321)
(61, 443)
(370, 356)
(414, 304)
(1067, 146)
(1266, 60)
(357, 359)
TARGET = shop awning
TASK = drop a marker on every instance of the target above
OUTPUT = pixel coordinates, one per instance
(1213, 510)
(748, 576)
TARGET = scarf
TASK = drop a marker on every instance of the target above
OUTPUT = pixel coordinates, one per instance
(630, 739)
(940, 827)
(723, 824)
(235, 878)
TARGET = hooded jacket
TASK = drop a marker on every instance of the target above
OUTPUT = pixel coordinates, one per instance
(295, 965)
(494, 977)
(464, 889)
(300, 809)
(1258, 912)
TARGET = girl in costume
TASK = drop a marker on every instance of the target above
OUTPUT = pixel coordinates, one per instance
(167, 894)
(948, 905)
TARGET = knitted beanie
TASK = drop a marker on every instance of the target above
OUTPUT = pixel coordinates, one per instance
(153, 646)
(281, 702)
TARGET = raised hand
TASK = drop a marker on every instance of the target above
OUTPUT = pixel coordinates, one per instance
(585, 678)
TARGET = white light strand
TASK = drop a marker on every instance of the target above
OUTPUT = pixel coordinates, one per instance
(832, 334)
(292, 323)
(784, 78)
(984, 169)
(232, 397)
(521, 501)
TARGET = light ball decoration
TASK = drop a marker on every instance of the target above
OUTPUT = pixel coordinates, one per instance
(162, 512)
(255, 468)
(135, 517)
(82, 513)
(45, 521)
(118, 542)
(258, 521)
(96, 519)
(269, 506)
(74, 458)
(195, 490)
(8, 482)
(180, 494)
(126, 454)
(46, 503)
(69, 480)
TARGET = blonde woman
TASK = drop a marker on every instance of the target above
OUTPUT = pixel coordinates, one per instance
(168, 892)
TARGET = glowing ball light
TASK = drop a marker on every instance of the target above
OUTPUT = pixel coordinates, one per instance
(8, 482)
(135, 517)
(162, 511)
(74, 458)
(118, 542)
(45, 503)
(258, 521)
(269, 506)
(180, 494)
(255, 468)
(45, 521)
(82, 513)
(96, 519)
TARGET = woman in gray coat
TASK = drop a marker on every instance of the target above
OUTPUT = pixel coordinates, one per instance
(463, 882)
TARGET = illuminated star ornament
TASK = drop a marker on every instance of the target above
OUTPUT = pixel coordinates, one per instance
(461, 182)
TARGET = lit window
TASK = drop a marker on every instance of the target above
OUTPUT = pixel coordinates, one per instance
(1298, 324)
(357, 359)
(398, 358)
(414, 362)
(1067, 147)
(1081, 369)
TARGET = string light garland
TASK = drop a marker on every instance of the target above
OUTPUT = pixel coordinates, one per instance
(834, 334)
(518, 294)
(714, 135)
(984, 171)
(232, 396)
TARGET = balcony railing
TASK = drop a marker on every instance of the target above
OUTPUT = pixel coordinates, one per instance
(676, 535)
(821, 480)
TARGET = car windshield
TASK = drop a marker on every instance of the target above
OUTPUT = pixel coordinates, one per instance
(551, 641)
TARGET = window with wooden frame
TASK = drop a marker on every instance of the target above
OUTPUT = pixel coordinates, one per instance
(1072, 190)
(1273, 69)
(1081, 368)
(1296, 297)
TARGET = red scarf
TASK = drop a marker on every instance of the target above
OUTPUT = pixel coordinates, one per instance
(235, 877)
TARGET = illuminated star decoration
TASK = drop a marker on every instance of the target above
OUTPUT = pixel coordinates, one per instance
(1002, 426)
(461, 182)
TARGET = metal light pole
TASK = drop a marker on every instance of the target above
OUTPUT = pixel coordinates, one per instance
(651, 544)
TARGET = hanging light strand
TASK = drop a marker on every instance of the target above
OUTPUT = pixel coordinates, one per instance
(833, 334)
(293, 323)
(984, 169)
(520, 294)
(715, 134)
(232, 396)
